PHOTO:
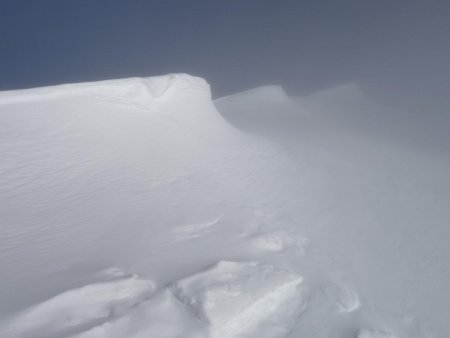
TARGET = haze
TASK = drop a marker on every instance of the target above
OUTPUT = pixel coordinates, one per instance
(397, 50)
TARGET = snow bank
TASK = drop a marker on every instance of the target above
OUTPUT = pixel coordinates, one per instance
(264, 107)
(264, 94)
(84, 165)
(149, 88)
(347, 223)
(144, 174)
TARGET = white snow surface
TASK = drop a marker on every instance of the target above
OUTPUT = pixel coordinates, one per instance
(141, 208)
(243, 299)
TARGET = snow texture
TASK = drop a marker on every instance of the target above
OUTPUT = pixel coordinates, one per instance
(243, 299)
(141, 208)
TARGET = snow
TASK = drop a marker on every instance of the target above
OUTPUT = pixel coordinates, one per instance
(243, 299)
(374, 334)
(80, 308)
(265, 94)
(141, 208)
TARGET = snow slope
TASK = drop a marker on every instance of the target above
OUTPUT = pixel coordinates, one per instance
(133, 208)
(384, 188)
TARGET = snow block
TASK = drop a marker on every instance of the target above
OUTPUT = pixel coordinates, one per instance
(364, 333)
(242, 299)
(81, 308)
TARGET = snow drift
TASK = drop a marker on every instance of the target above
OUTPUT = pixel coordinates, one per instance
(141, 208)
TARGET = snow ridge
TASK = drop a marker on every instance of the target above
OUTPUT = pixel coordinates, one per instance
(268, 93)
(152, 87)
(146, 175)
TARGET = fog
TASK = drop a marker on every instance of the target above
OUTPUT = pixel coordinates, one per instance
(396, 50)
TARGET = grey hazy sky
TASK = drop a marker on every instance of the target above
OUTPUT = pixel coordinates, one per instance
(394, 48)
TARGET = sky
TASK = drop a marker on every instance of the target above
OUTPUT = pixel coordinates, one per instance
(396, 50)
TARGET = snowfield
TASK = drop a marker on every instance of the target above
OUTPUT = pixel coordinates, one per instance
(142, 208)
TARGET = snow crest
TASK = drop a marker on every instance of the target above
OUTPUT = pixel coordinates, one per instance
(150, 87)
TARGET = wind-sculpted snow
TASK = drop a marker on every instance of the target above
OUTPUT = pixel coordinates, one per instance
(265, 94)
(378, 181)
(152, 88)
(270, 217)
(145, 174)
(81, 308)
(229, 300)
(264, 107)
(243, 299)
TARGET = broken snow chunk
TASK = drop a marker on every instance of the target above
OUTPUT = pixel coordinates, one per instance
(241, 299)
(113, 273)
(82, 307)
(278, 241)
(365, 333)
